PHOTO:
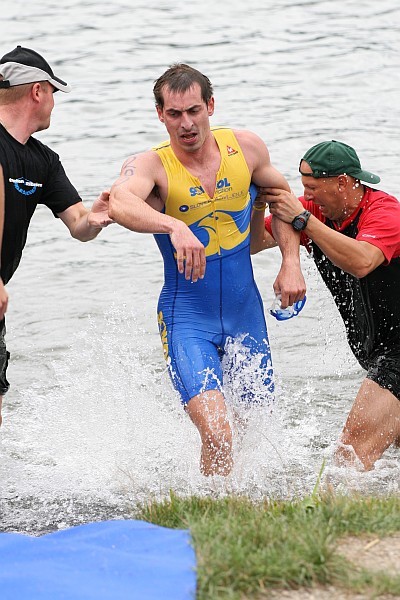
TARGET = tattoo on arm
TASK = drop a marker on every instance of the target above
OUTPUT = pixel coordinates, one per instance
(128, 170)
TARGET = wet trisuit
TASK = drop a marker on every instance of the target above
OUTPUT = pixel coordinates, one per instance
(196, 320)
(370, 306)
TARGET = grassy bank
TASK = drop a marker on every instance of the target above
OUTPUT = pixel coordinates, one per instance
(245, 549)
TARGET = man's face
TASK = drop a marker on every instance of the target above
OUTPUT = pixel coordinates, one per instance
(324, 192)
(186, 117)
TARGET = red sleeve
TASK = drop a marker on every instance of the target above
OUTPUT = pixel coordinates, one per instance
(379, 223)
(268, 227)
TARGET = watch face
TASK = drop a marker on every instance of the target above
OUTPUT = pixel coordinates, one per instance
(299, 223)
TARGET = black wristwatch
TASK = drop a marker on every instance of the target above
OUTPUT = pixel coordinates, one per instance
(300, 222)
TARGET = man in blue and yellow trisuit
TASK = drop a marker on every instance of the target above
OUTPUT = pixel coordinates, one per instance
(192, 192)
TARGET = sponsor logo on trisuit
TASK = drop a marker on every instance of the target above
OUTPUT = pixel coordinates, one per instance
(231, 150)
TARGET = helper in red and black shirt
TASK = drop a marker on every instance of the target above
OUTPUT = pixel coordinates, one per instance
(353, 233)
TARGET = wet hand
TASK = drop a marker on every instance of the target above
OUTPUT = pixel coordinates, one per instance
(190, 253)
(290, 284)
(282, 204)
(98, 216)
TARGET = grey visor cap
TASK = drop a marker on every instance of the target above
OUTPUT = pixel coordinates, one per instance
(18, 74)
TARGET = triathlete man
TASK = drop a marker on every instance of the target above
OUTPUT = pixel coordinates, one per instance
(193, 193)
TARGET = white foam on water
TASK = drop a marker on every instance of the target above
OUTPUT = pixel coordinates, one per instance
(110, 432)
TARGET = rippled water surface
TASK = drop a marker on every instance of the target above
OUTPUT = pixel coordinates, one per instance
(91, 423)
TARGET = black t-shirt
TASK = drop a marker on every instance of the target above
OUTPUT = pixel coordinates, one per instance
(33, 174)
(369, 306)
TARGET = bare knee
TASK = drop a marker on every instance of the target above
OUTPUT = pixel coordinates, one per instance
(371, 427)
(218, 438)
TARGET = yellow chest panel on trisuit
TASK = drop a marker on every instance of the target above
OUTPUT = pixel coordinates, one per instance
(222, 222)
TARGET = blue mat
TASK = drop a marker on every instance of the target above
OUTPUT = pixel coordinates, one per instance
(113, 560)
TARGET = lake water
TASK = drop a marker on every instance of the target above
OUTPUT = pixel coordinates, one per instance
(91, 423)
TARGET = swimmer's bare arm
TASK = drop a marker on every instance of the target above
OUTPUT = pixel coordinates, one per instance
(3, 291)
(129, 207)
(260, 239)
(290, 282)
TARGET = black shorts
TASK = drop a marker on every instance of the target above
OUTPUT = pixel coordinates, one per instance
(385, 371)
(4, 356)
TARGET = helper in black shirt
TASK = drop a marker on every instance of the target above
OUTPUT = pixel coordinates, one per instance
(30, 172)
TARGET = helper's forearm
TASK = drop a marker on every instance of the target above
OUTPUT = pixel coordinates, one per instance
(83, 231)
(353, 256)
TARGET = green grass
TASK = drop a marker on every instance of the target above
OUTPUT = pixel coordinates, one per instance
(244, 549)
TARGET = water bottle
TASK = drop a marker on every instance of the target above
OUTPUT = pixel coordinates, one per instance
(283, 314)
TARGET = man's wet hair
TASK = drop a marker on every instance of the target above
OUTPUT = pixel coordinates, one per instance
(180, 78)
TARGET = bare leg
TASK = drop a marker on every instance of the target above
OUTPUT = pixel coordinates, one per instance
(208, 412)
(372, 426)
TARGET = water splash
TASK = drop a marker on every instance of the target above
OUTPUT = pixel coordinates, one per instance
(108, 431)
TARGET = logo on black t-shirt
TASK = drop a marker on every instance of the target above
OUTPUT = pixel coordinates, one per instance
(24, 186)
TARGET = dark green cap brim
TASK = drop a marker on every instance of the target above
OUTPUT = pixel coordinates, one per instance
(365, 176)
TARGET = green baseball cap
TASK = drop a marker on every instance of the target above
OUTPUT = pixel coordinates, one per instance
(329, 159)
